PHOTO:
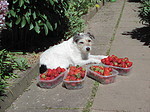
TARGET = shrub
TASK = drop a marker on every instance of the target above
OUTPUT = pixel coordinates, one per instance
(145, 12)
(34, 25)
(8, 63)
(36, 15)
(74, 12)
(30, 23)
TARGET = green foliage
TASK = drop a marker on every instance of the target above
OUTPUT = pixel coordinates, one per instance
(74, 12)
(3, 84)
(43, 15)
(21, 63)
(8, 63)
(145, 11)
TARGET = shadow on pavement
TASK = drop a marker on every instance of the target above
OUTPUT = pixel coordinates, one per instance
(142, 34)
(134, 0)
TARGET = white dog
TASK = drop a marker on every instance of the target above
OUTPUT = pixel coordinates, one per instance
(75, 51)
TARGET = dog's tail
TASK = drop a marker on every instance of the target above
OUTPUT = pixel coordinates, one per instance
(42, 69)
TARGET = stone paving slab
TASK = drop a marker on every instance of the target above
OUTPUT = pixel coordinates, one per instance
(58, 97)
(47, 110)
(18, 86)
(129, 93)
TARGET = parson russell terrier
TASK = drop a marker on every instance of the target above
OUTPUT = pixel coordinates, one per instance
(75, 51)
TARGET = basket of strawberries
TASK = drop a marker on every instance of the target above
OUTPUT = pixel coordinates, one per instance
(122, 65)
(102, 74)
(51, 78)
(74, 77)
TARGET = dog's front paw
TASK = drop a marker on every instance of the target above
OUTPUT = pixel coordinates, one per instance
(102, 56)
(99, 57)
(95, 61)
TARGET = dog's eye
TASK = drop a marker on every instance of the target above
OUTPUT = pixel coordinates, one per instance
(81, 42)
(89, 40)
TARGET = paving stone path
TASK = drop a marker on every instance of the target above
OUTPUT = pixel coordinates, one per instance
(127, 94)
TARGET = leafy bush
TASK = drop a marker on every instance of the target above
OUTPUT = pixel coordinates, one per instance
(36, 15)
(76, 9)
(5, 70)
(145, 11)
(8, 63)
(32, 23)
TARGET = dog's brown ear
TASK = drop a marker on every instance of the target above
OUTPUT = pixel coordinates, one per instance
(90, 35)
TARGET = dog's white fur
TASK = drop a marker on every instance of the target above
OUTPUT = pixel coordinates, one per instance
(75, 51)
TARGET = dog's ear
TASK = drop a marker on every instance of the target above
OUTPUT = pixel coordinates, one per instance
(76, 37)
(90, 35)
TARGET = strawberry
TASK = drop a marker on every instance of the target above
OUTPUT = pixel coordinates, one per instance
(105, 71)
(116, 61)
(59, 70)
(119, 61)
(104, 75)
(51, 74)
(47, 78)
(129, 64)
(76, 73)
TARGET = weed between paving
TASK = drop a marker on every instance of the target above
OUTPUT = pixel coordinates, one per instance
(96, 84)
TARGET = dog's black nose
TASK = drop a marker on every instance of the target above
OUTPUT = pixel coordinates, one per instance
(88, 49)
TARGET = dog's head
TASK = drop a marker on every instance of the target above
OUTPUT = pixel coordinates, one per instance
(83, 41)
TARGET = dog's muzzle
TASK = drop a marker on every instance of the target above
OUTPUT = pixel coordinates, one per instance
(88, 49)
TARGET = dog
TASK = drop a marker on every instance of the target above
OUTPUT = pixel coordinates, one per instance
(75, 51)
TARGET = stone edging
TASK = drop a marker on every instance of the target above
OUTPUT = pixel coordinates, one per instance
(19, 86)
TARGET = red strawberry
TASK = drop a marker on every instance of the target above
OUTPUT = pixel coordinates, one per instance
(129, 64)
(103, 60)
(58, 69)
(52, 73)
(43, 76)
(47, 78)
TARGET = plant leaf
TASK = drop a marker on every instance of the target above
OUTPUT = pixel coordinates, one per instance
(27, 1)
(46, 29)
(27, 17)
(31, 26)
(12, 13)
(49, 25)
(37, 28)
(21, 2)
(55, 25)
(14, 1)
(18, 21)
(9, 24)
(34, 15)
(51, 2)
(23, 23)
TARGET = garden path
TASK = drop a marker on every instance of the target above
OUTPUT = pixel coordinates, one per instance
(127, 94)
